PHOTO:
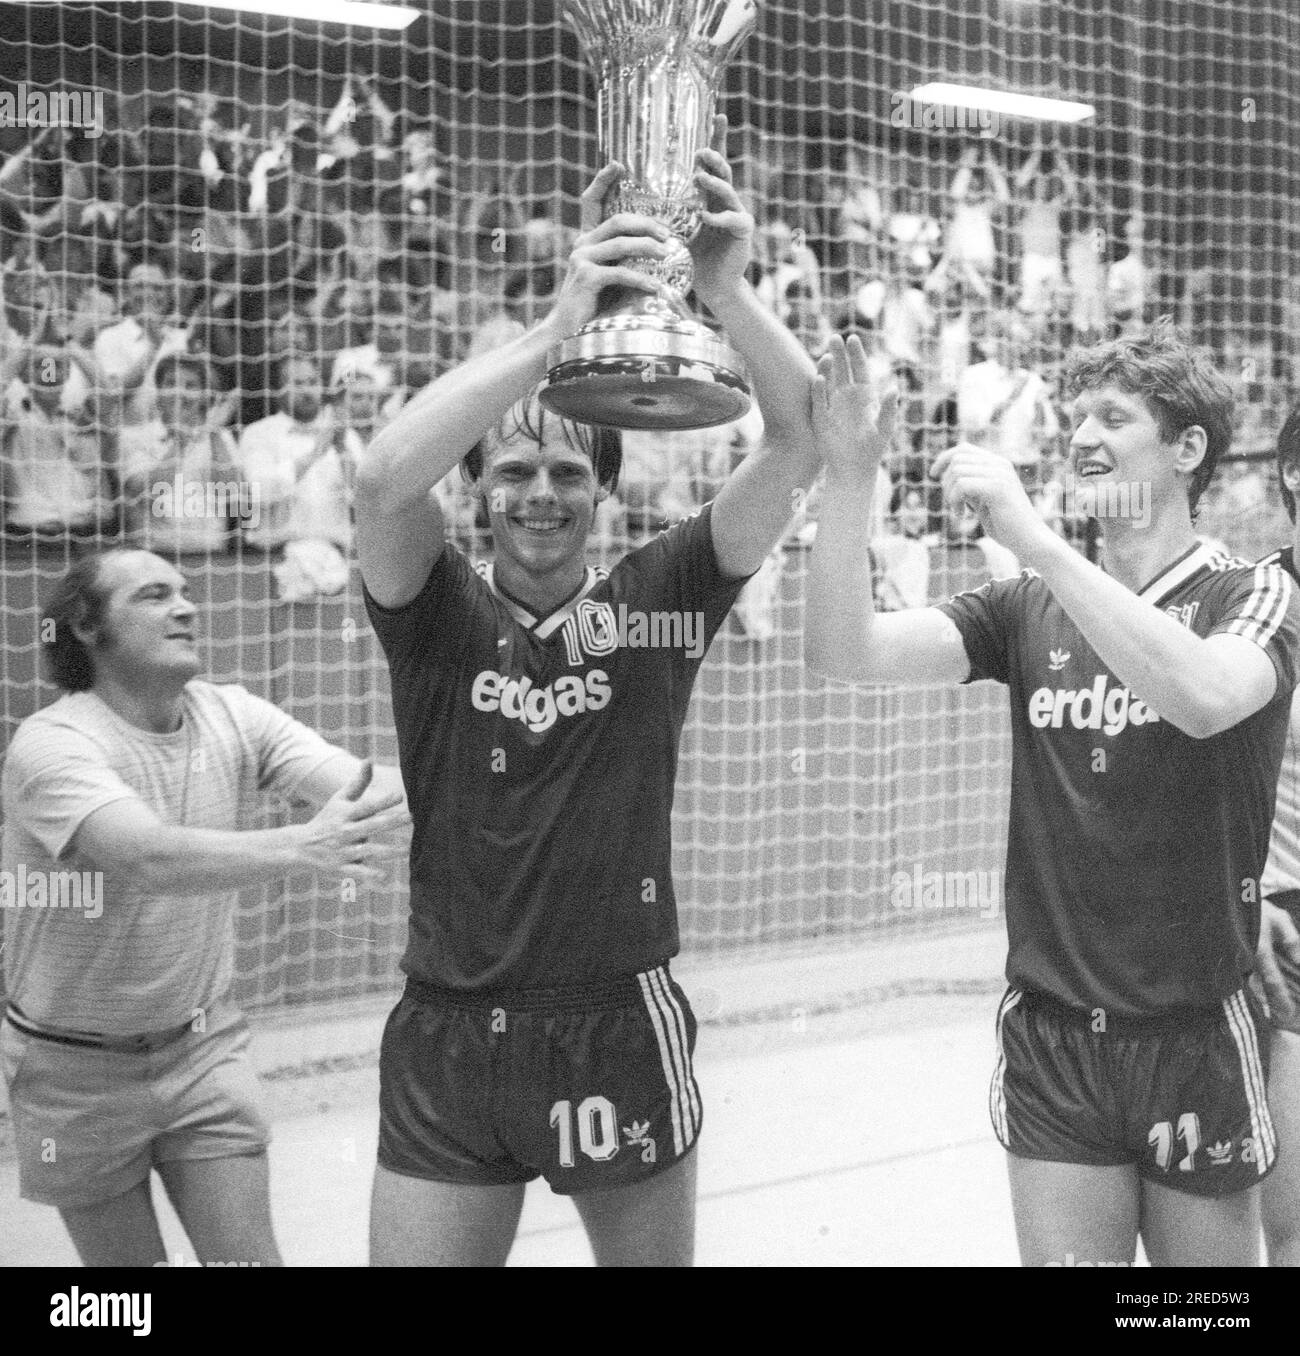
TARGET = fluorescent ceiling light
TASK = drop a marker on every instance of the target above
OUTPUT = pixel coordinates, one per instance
(320, 11)
(1003, 101)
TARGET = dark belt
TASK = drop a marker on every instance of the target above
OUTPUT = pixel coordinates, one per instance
(142, 1044)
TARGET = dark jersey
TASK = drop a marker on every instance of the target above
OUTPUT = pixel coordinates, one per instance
(1134, 851)
(1283, 869)
(540, 755)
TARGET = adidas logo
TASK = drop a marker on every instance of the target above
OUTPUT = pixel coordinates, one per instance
(1220, 1153)
(1057, 659)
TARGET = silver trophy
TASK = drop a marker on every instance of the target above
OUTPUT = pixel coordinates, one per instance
(644, 361)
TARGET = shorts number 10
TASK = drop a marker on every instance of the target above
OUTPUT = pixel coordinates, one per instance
(597, 1129)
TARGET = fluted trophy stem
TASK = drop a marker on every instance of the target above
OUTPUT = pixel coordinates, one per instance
(645, 362)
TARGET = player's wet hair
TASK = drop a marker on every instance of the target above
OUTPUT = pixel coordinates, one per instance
(603, 446)
(78, 599)
(1178, 382)
(1288, 454)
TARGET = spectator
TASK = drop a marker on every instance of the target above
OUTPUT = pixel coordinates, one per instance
(32, 318)
(668, 475)
(784, 259)
(1085, 251)
(81, 307)
(344, 310)
(54, 463)
(127, 353)
(806, 317)
(171, 145)
(528, 295)
(45, 183)
(962, 295)
(1001, 404)
(294, 462)
(978, 190)
(863, 199)
(361, 405)
(406, 342)
(28, 301)
(901, 553)
(913, 230)
(1044, 198)
(1129, 280)
(905, 319)
(180, 489)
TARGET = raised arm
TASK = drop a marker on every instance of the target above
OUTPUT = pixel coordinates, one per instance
(844, 637)
(1027, 172)
(399, 524)
(996, 175)
(764, 491)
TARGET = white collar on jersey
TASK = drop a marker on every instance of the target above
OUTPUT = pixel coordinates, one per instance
(1200, 557)
(544, 626)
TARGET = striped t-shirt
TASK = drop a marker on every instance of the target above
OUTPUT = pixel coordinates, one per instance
(95, 953)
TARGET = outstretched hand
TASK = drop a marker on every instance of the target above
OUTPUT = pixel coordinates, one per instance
(853, 426)
(351, 833)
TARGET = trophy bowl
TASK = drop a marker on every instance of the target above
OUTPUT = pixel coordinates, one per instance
(644, 361)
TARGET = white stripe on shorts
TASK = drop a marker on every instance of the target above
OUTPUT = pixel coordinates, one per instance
(1244, 1034)
(672, 1056)
(997, 1092)
(673, 1009)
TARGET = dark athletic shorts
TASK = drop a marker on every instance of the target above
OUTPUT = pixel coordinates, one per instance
(1182, 1098)
(590, 1088)
(1290, 901)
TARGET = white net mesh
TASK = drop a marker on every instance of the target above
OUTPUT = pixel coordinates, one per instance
(385, 203)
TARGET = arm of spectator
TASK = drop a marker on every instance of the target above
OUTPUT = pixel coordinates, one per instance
(960, 185)
(1071, 190)
(996, 175)
(940, 275)
(84, 360)
(13, 166)
(97, 409)
(975, 282)
(1028, 172)
(129, 378)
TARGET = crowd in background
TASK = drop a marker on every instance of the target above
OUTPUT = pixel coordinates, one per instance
(186, 305)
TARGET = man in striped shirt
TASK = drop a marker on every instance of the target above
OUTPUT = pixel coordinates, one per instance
(1149, 701)
(126, 839)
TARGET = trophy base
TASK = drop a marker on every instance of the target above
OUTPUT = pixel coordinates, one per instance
(645, 376)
